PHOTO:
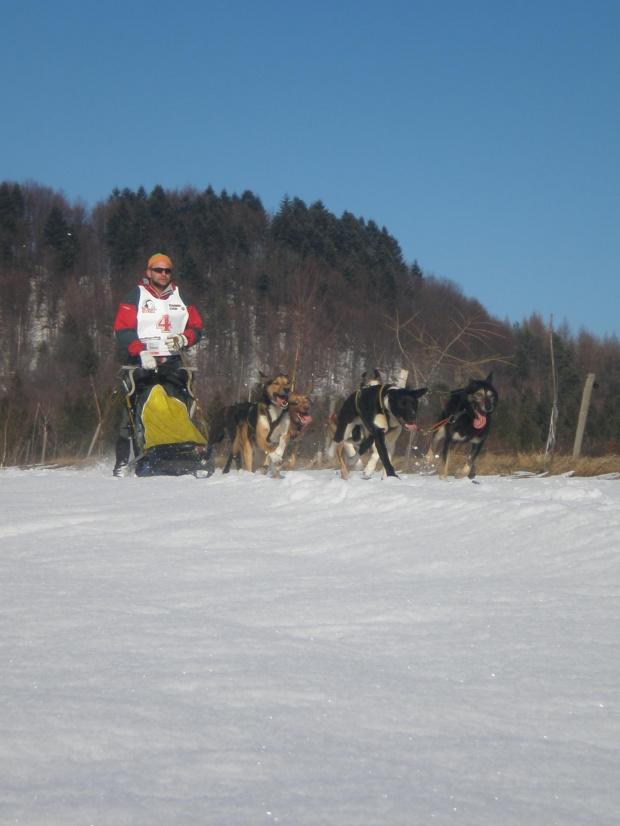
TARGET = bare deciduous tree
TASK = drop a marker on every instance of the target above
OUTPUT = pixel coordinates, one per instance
(313, 337)
(463, 346)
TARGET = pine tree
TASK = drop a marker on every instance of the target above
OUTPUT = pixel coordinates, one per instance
(62, 239)
(12, 210)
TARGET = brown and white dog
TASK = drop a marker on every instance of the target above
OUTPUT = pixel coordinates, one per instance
(260, 426)
(300, 416)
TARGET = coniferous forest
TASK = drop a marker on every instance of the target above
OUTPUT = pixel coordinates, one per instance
(303, 291)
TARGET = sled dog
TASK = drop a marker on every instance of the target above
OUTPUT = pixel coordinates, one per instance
(299, 411)
(374, 416)
(259, 426)
(224, 423)
(468, 411)
(365, 381)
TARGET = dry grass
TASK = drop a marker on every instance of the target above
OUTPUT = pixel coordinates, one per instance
(494, 464)
(487, 464)
(504, 464)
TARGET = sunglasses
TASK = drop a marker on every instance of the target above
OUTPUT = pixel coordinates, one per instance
(161, 270)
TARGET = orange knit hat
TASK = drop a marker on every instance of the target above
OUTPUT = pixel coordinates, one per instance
(159, 257)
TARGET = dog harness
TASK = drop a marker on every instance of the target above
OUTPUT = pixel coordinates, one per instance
(382, 389)
(273, 423)
(451, 419)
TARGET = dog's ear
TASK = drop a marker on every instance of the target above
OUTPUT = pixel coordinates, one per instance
(263, 378)
(420, 392)
(490, 377)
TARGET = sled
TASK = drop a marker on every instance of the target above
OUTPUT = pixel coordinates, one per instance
(165, 440)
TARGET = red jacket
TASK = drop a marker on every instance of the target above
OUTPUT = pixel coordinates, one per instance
(126, 323)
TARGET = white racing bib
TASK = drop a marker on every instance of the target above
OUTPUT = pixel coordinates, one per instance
(159, 318)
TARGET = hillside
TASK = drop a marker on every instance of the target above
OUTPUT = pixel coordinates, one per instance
(322, 297)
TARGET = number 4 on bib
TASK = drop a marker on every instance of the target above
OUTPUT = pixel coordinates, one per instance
(164, 323)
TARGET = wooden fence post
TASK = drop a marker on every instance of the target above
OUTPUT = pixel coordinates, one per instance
(583, 414)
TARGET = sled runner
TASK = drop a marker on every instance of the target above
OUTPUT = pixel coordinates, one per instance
(165, 441)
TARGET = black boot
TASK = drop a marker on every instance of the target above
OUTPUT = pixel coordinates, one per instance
(122, 456)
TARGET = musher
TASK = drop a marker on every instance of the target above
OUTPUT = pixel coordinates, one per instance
(154, 323)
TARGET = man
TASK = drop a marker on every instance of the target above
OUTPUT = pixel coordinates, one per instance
(154, 323)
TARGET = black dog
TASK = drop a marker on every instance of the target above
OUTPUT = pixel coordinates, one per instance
(225, 423)
(467, 412)
(374, 417)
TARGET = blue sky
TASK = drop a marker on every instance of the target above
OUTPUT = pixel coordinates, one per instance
(484, 135)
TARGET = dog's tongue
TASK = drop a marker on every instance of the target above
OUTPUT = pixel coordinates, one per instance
(412, 426)
(480, 420)
(280, 401)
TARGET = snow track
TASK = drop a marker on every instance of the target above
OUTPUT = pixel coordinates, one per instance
(243, 650)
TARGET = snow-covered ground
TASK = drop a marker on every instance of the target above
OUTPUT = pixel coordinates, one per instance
(243, 650)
